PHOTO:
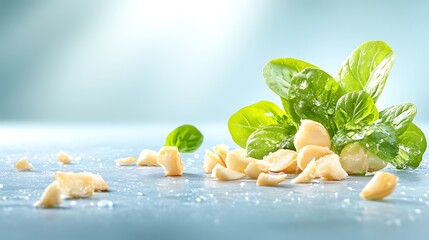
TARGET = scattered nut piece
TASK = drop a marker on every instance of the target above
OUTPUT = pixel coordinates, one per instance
(221, 150)
(237, 160)
(255, 168)
(311, 133)
(51, 197)
(282, 160)
(125, 161)
(374, 162)
(308, 174)
(169, 159)
(265, 179)
(210, 160)
(23, 164)
(329, 167)
(76, 185)
(353, 159)
(64, 158)
(225, 174)
(147, 158)
(380, 186)
(310, 152)
(100, 185)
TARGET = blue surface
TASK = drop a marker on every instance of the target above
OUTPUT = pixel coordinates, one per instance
(143, 204)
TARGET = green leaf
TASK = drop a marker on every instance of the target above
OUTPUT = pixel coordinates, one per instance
(249, 119)
(367, 68)
(186, 138)
(412, 146)
(355, 110)
(400, 116)
(270, 139)
(278, 74)
(313, 95)
(380, 139)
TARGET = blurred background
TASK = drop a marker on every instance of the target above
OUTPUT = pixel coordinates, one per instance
(188, 61)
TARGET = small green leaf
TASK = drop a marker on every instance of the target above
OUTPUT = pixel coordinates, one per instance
(367, 68)
(186, 138)
(355, 110)
(400, 116)
(412, 146)
(249, 119)
(270, 139)
(313, 95)
(278, 74)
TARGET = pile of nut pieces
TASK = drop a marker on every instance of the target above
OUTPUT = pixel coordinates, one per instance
(312, 159)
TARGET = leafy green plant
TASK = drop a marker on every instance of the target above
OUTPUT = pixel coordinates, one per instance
(186, 138)
(345, 106)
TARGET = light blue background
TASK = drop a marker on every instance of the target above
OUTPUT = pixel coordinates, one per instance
(189, 61)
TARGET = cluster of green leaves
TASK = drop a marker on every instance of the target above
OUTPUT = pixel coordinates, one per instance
(186, 138)
(345, 105)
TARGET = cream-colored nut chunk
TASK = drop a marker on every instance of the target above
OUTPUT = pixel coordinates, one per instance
(282, 160)
(237, 160)
(255, 168)
(221, 150)
(374, 162)
(265, 179)
(225, 174)
(380, 186)
(170, 160)
(310, 152)
(210, 160)
(311, 133)
(147, 157)
(75, 185)
(64, 158)
(329, 167)
(51, 197)
(125, 161)
(100, 185)
(353, 159)
(308, 174)
(23, 164)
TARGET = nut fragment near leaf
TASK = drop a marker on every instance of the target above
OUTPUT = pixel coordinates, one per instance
(76, 185)
(311, 133)
(266, 179)
(329, 167)
(282, 160)
(51, 197)
(380, 186)
(225, 174)
(125, 161)
(310, 152)
(255, 168)
(210, 160)
(147, 157)
(64, 158)
(169, 159)
(23, 164)
(308, 174)
(353, 159)
(221, 150)
(237, 160)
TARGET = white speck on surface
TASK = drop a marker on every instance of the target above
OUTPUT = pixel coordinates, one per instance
(105, 204)
(418, 211)
(1, 186)
(139, 194)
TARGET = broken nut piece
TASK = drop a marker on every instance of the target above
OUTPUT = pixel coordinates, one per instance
(237, 160)
(64, 158)
(23, 164)
(266, 179)
(51, 197)
(311, 133)
(225, 174)
(310, 152)
(308, 174)
(147, 158)
(76, 185)
(380, 186)
(329, 167)
(100, 185)
(125, 161)
(210, 160)
(221, 150)
(282, 160)
(169, 159)
(255, 168)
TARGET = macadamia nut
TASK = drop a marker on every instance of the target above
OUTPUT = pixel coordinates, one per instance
(51, 197)
(64, 158)
(23, 164)
(147, 158)
(169, 159)
(380, 186)
(311, 133)
(265, 179)
(225, 174)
